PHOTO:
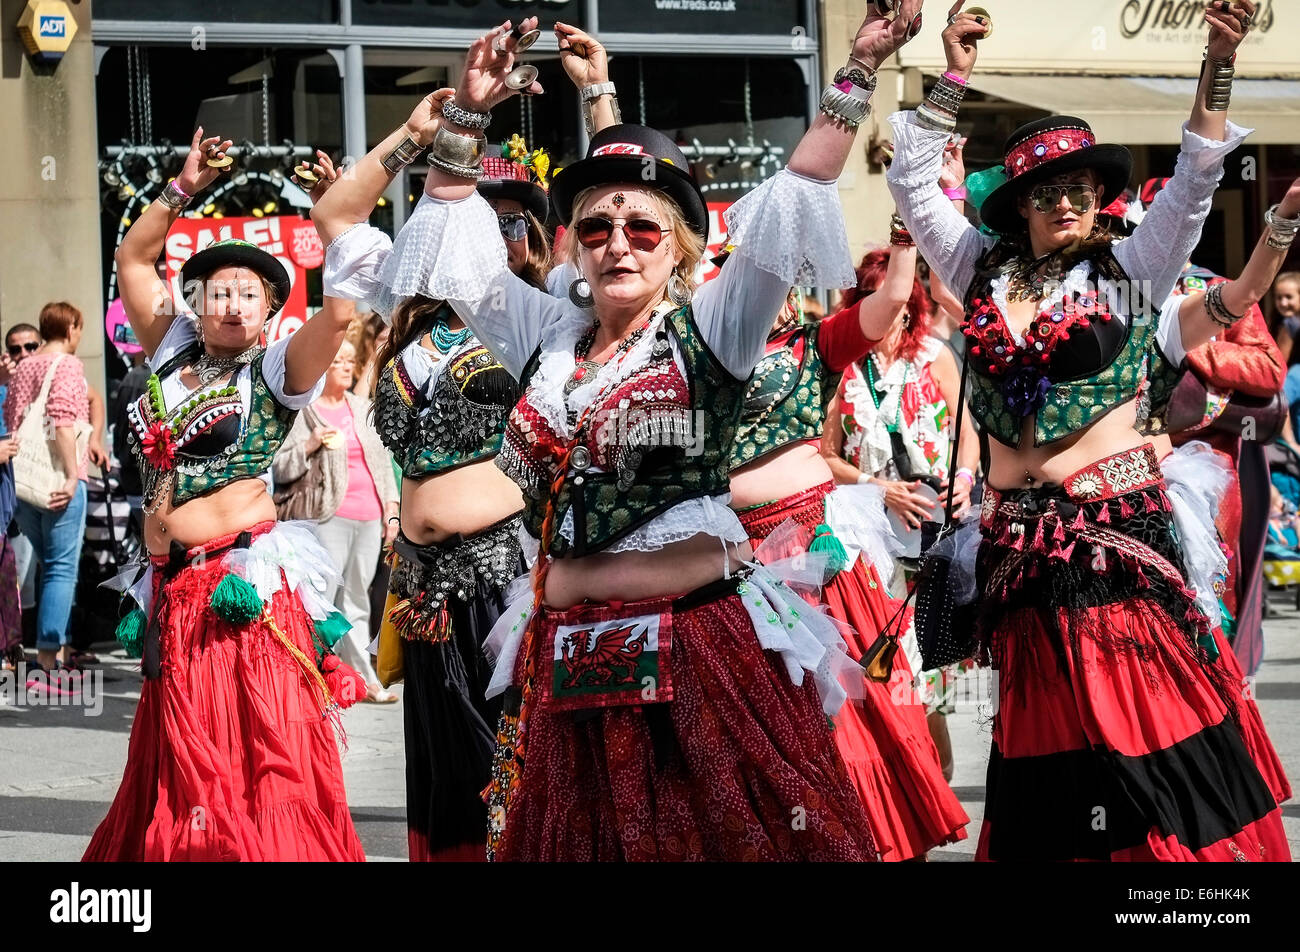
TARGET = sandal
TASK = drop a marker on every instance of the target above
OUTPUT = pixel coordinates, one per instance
(377, 695)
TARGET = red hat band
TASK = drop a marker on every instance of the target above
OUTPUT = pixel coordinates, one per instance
(496, 167)
(1045, 147)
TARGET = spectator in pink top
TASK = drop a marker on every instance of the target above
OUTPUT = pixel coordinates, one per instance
(56, 533)
(355, 496)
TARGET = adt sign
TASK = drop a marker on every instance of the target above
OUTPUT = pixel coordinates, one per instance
(47, 28)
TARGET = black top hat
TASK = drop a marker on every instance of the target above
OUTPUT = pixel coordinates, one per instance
(1044, 149)
(513, 179)
(241, 254)
(636, 155)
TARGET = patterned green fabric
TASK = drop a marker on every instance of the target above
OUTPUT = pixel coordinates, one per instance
(1074, 405)
(265, 428)
(785, 399)
(604, 513)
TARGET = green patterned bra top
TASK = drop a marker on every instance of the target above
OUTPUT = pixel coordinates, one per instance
(1077, 361)
(210, 439)
(786, 397)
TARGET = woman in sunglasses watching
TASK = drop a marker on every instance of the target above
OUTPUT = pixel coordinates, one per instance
(441, 402)
(644, 719)
(1114, 736)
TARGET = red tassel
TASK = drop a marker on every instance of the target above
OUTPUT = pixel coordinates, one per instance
(1019, 544)
(1079, 523)
(1143, 581)
(1150, 504)
(1067, 551)
(346, 686)
(1104, 514)
(1004, 540)
(1033, 569)
(1059, 534)
(1038, 537)
(1125, 510)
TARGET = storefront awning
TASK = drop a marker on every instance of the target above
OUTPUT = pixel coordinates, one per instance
(1149, 110)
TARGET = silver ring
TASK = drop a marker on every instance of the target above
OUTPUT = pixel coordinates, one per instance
(521, 77)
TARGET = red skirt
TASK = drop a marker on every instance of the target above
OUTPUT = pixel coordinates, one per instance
(739, 765)
(230, 757)
(883, 737)
(1116, 736)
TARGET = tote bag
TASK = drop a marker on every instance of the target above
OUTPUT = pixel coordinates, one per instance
(38, 471)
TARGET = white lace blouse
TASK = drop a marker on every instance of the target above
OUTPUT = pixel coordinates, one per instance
(790, 230)
(1156, 251)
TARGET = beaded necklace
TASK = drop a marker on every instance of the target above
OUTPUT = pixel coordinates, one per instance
(875, 396)
(445, 339)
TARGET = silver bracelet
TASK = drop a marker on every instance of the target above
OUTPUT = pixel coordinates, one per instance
(930, 117)
(174, 198)
(1281, 232)
(403, 155)
(1218, 311)
(1219, 92)
(589, 96)
(844, 107)
(456, 154)
(463, 117)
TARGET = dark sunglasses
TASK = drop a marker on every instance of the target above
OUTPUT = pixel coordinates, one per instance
(31, 346)
(514, 226)
(642, 234)
(1047, 197)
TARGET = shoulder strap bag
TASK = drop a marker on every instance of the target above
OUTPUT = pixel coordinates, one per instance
(38, 470)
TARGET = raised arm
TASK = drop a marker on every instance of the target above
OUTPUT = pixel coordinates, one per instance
(1202, 316)
(924, 150)
(146, 297)
(1165, 238)
(585, 61)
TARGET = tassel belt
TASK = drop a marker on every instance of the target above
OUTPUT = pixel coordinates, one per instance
(1127, 472)
(807, 508)
(426, 577)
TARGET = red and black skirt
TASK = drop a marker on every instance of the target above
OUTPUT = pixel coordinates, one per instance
(1117, 735)
(883, 736)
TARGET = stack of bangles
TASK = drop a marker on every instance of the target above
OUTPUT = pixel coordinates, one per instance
(1219, 92)
(898, 233)
(1218, 311)
(939, 111)
(1280, 232)
(450, 152)
(847, 99)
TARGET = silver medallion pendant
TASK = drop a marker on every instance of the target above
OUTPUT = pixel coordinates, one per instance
(580, 459)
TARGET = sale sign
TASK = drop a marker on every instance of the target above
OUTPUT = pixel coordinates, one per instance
(717, 241)
(289, 238)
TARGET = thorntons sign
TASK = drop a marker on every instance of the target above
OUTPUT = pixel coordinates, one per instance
(1140, 15)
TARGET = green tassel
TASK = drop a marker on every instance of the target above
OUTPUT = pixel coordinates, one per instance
(1229, 624)
(1211, 648)
(333, 627)
(236, 601)
(824, 541)
(130, 633)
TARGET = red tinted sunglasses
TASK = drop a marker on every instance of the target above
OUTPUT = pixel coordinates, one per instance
(642, 234)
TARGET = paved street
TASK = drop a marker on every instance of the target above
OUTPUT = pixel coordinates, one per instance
(59, 766)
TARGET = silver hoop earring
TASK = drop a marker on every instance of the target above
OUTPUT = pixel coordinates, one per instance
(679, 292)
(580, 293)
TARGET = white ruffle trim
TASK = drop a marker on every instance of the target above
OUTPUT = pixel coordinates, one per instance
(446, 251)
(1196, 479)
(704, 515)
(807, 639)
(857, 516)
(793, 227)
(291, 548)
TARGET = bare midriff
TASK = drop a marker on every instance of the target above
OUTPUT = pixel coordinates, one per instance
(787, 472)
(1052, 463)
(676, 569)
(461, 501)
(233, 508)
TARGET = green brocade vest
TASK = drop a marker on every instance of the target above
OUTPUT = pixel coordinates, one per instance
(669, 440)
(1001, 400)
(786, 397)
(267, 424)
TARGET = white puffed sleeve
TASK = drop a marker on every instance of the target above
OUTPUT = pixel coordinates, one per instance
(353, 261)
(1165, 238)
(273, 374)
(789, 231)
(949, 243)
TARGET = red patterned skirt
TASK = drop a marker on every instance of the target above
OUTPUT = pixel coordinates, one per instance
(740, 764)
(1116, 736)
(230, 757)
(883, 737)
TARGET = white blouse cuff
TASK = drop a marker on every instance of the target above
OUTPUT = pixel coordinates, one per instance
(446, 251)
(918, 151)
(1205, 156)
(793, 227)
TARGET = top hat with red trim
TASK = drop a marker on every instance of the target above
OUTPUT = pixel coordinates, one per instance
(1044, 149)
(511, 172)
(638, 156)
